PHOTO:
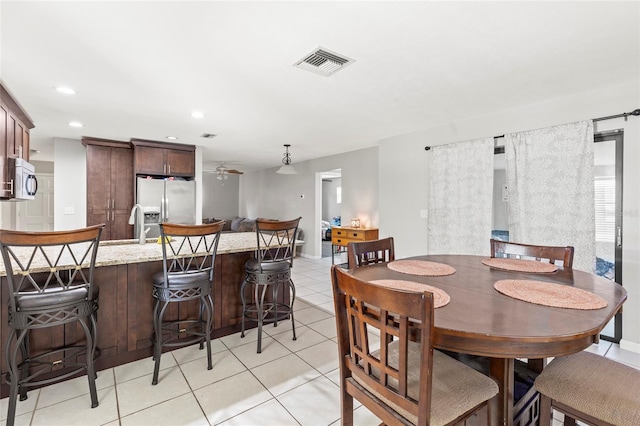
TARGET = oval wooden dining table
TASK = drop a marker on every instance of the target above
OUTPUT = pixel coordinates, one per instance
(479, 320)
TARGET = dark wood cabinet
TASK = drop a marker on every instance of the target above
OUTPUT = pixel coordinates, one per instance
(109, 186)
(163, 159)
(15, 125)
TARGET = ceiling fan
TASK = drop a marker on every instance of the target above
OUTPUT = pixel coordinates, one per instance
(223, 172)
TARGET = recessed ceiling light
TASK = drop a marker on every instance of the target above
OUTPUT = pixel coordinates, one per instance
(197, 114)
(75, 124)
(65, 90)
(172, 138)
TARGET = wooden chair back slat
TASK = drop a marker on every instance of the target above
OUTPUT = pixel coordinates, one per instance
(370, 252)
(552, 254)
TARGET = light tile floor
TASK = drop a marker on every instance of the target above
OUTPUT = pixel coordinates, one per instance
(289, 383)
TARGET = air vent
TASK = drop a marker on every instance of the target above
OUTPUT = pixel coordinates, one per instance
(324, 62)
(208, 135)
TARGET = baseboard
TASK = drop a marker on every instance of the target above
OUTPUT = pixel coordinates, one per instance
(630, 346)
(308, 256)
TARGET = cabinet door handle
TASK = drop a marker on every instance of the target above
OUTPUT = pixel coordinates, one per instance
(169, 166)
(113, 203)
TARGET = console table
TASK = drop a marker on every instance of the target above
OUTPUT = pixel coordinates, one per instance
(341, 236)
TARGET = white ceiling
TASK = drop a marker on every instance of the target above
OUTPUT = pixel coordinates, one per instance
(140, 68)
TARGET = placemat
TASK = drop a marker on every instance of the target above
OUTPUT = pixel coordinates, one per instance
(520, 265)
(421, 267)
(440, 297)
(550, 294)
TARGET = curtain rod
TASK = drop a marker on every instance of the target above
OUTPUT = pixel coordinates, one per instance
(635, 112)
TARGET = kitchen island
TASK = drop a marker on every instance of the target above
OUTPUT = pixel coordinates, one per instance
(125, 318)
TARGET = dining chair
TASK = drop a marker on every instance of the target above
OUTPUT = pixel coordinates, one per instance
(50, 284)
(589, 388)
(369, 252)
(399, 380)
(270, 269)
(552, 254)
(188, 264)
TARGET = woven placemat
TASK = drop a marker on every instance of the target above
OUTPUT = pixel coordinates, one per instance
(520, 265)
(550, 294)
(440, 297)
(421, 267)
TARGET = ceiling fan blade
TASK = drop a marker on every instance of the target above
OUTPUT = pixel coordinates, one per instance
(235, 172)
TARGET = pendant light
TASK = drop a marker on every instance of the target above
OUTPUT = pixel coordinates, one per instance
(287, 168)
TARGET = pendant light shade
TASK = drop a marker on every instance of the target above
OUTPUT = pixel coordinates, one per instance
(287, 168)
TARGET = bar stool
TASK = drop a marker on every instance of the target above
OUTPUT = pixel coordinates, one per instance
(188, 260)
(271, 268)
(50, 277)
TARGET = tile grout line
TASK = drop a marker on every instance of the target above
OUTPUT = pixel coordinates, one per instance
(191, 390)
(115, 388)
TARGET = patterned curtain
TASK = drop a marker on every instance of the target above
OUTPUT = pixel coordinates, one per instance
(461, 198)
(550, 176)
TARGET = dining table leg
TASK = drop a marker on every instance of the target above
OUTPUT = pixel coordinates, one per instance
(502, 370)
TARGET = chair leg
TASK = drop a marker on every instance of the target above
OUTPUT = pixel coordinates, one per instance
(13, 373)
(201, 321)
(24, 370)
(293, 299)
(91, 373)
(260, 312)
(346, 408)
(274, 295)
(207, 304)
(545, 410)
(93, 321)
(157, 323)
(244, 306)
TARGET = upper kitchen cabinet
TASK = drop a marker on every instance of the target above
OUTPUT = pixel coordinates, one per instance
(163, 159)
(15, 125)
(109, 186)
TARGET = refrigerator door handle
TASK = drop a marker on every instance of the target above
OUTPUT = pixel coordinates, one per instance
(166, 209)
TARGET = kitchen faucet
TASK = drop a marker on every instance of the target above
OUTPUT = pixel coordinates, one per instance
(137, 218)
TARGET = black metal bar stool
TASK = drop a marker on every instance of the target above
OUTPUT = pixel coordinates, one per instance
(188, 260)
(271, 268)
(50, 276)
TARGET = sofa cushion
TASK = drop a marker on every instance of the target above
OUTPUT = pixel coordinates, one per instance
(247, 225)
(235, 223)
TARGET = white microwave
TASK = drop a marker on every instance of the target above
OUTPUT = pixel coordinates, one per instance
(25, 183)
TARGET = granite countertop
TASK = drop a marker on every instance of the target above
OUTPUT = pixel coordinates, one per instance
(118, 252)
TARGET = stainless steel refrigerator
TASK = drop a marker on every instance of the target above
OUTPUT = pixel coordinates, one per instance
(165, 200)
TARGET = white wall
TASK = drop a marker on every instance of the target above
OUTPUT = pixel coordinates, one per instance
(268, 194)
(220, 198)
(70, 184)
(403, 177)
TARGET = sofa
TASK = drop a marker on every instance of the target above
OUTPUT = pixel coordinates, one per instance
(236, 224)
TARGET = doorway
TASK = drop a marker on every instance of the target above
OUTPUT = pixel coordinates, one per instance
(37, 215)
(329, 210)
